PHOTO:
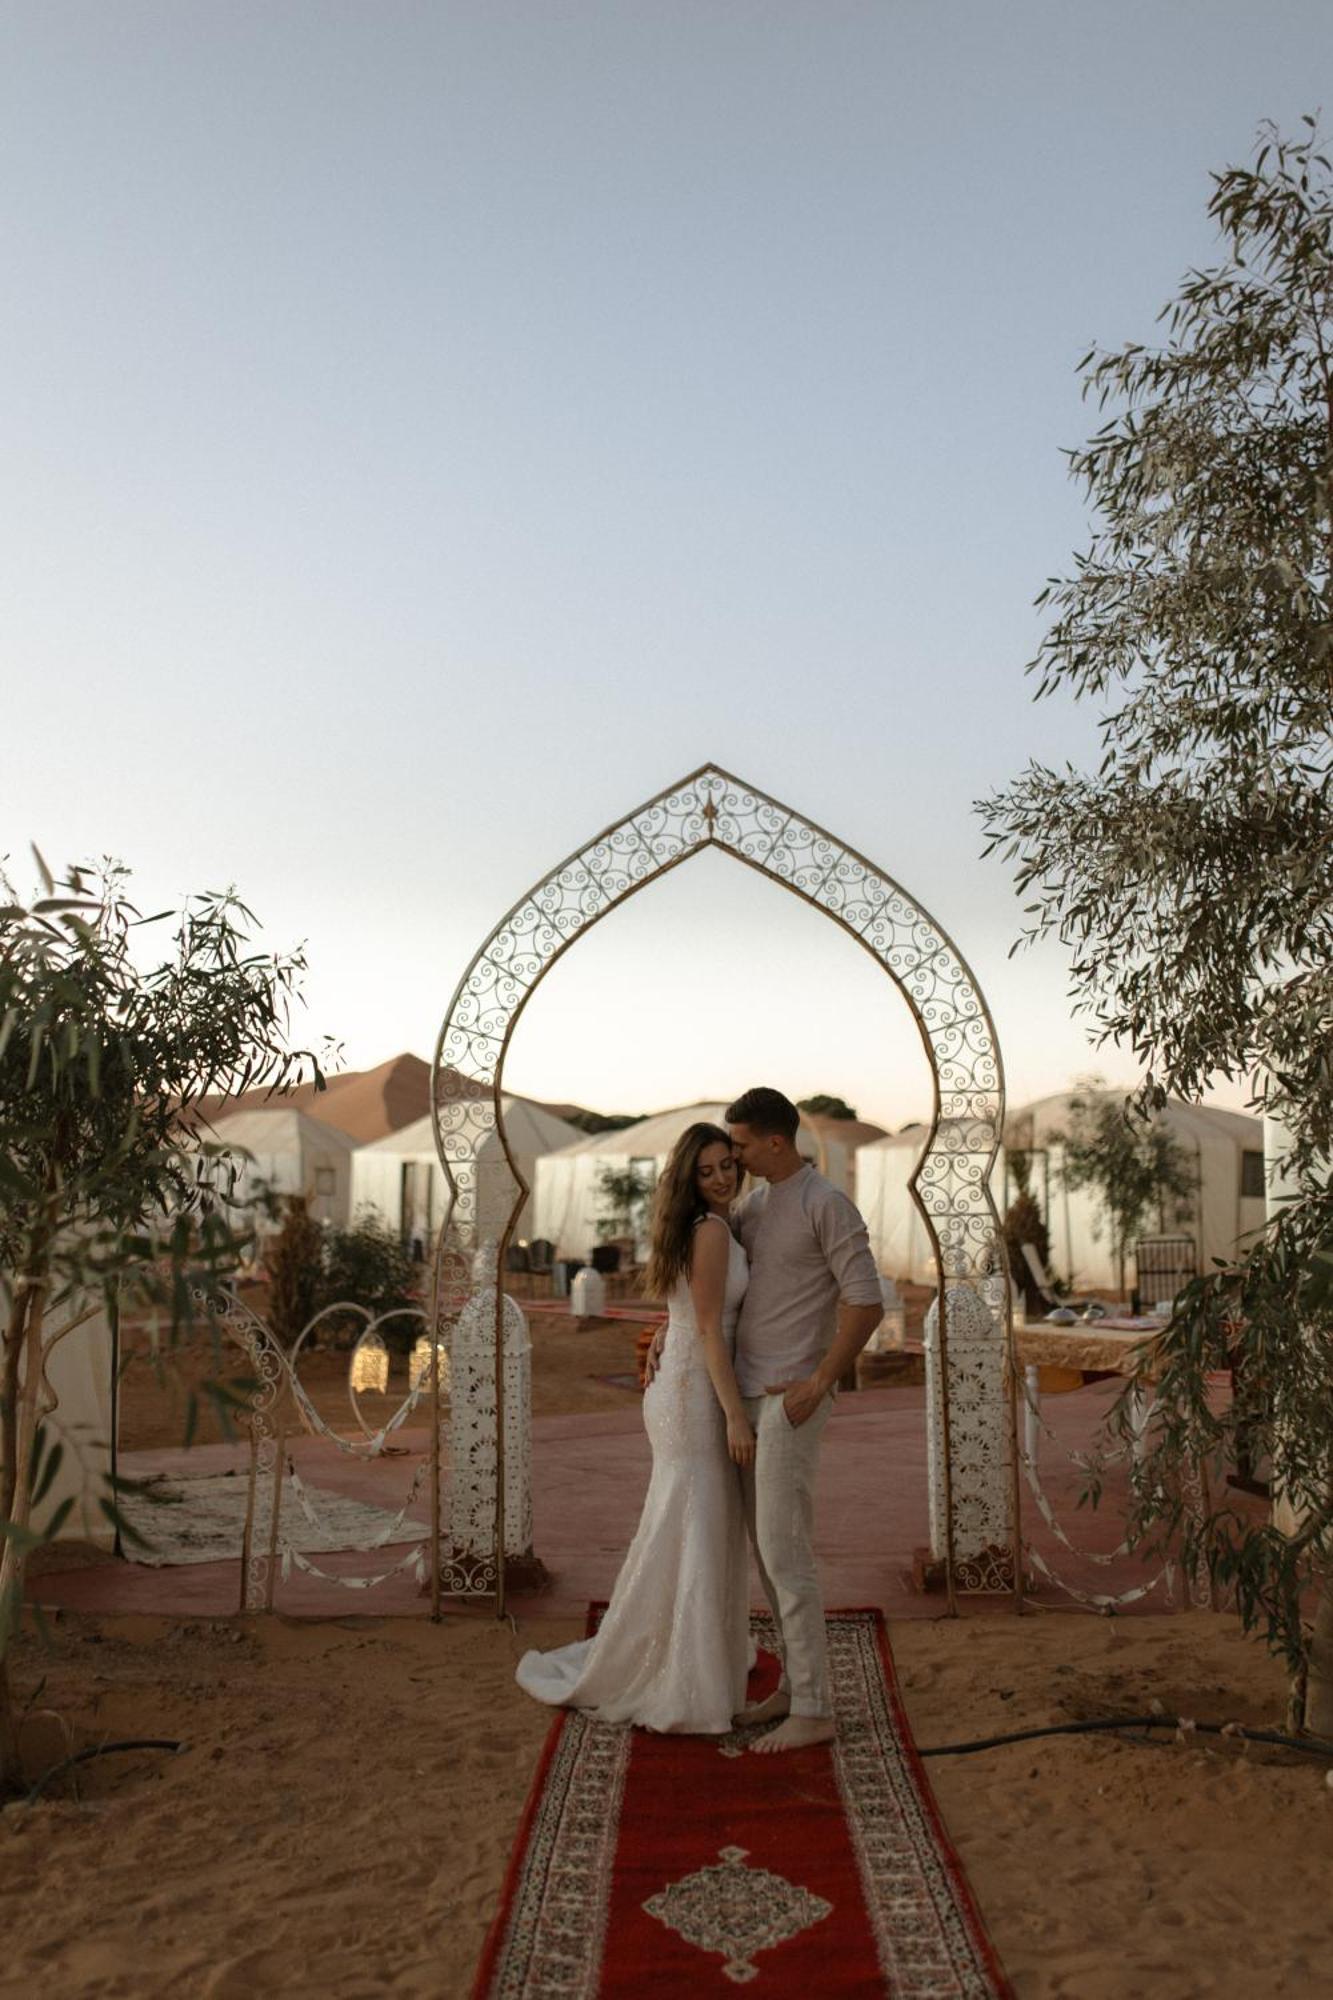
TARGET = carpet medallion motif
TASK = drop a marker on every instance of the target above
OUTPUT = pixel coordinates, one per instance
(651, 1865)
(737, 1911)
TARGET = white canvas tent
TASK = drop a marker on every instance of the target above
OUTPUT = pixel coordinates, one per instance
(1225, 1148)
(295, 1154)
(897, 1234)
(401, 1178)
(568, 1204)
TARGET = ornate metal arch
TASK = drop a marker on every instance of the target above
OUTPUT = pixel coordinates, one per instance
(969, 1388)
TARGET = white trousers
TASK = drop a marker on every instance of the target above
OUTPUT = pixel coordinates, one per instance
(779, 1493)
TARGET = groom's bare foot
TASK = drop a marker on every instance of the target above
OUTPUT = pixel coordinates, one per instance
(797, 1733)
(777, 1705)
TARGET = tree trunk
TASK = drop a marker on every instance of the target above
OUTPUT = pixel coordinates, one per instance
(28, 1350)
(20, 1425)
(9, 1750)
(9, 1399)
(12, 1561)
(1319, 1682)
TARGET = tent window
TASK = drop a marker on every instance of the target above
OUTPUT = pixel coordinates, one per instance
(326, 1180)
(1252, 1175)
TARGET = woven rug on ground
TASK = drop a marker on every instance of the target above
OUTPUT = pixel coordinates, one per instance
(656, 1865)
(203, 1520)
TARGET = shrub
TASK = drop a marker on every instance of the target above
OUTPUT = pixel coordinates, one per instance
(293, 1264)
(368, 1266)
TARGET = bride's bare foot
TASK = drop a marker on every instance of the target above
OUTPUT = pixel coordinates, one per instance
(772, 1710)
(797, 1733)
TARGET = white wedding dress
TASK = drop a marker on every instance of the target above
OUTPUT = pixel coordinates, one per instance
(673, 1649)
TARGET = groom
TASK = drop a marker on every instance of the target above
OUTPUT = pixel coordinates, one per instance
(812, 1304)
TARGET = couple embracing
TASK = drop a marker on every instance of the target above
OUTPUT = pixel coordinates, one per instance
(770, 1302)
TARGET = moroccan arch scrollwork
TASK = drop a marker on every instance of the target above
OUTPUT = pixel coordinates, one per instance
(969, 1389)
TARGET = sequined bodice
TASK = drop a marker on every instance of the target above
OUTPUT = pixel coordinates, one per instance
(682, 1346)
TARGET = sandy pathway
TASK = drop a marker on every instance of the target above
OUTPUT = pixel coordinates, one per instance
(341, 1821)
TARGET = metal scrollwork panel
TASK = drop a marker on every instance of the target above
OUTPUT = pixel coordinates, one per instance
(277, 1406)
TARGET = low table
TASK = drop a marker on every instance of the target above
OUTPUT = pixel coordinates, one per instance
(1098, 1347)
(1090, 1348)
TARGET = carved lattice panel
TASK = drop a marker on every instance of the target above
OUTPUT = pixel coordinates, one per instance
(469, 1544)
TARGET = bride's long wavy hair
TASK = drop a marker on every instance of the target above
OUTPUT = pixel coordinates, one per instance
(677, 1206)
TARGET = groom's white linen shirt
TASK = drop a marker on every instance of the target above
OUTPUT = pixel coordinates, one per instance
(808, 1252)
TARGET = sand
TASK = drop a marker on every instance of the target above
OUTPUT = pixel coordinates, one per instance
(1109, 1869)
(339, 1824)
(340, 1820)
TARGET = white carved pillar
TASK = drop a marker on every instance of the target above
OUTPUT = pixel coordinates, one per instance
(978, 1457)
(469, 1552)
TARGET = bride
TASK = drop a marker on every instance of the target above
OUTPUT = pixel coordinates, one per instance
(673, 1648)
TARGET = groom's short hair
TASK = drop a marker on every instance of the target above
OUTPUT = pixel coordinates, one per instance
(766, 1112)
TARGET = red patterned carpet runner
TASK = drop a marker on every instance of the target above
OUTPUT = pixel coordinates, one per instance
(671, 1865)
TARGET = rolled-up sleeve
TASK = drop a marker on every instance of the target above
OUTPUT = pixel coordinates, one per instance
(841, 1231)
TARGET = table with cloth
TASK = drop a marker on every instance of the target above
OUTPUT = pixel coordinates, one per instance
(1065, 1357)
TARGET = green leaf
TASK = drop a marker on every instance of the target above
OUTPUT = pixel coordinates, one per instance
(23, 1538)
(48, 1473)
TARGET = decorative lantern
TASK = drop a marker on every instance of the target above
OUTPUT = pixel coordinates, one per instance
(587, 1294)
(370, 1364)
(419, 1367)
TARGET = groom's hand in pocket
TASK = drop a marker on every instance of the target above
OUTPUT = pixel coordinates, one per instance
(800, 1399)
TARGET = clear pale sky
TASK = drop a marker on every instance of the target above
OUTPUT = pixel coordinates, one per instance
(429, 430)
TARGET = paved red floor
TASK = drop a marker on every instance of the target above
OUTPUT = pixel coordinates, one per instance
(589, 1478)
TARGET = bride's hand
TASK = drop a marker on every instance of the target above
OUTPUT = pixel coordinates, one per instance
(740, 1440)
(652, 1361)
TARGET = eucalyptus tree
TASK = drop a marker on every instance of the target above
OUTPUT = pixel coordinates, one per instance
(1191, 873)
(622, 1195)
(825, 1106)
(105, 1191)
(1127, 1159)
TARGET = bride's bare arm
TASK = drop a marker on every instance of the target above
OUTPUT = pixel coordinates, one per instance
(709, 1258)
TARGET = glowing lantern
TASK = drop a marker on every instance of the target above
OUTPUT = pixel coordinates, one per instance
(370, 1364)
(420, 1365)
